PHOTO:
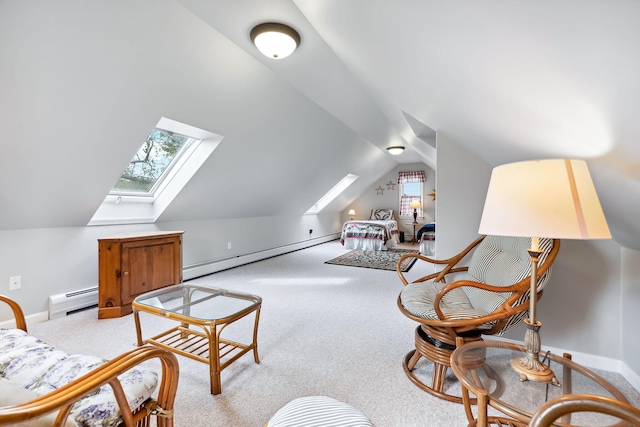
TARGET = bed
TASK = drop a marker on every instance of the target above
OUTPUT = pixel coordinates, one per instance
(427, 239)
(378, 233)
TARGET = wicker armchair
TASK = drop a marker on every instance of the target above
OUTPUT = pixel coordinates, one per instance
(490, 298)
(54, 408)
(564, 406)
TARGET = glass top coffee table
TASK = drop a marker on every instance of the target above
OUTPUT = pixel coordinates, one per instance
(202, 314)
(484, 368)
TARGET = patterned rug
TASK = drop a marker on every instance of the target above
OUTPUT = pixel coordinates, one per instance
(383, 260)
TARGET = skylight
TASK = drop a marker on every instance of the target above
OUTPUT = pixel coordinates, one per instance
(332, 194)
(170, 155)
(152, 163)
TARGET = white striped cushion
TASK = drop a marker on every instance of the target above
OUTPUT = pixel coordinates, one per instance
(318, 411)
(498, 261)
(503, 261)
(417, 299)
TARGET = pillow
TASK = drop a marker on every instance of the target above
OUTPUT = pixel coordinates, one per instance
(12, 394)
(382, 214)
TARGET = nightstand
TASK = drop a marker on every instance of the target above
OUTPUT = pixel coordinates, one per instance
(413, 237)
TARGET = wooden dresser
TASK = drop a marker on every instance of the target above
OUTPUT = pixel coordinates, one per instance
(130, 265)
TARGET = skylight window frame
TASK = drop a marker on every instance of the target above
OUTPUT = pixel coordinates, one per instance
(337, 189)
(139, 208)
(167, 175)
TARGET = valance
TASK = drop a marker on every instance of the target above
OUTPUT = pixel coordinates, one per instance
(411, 177)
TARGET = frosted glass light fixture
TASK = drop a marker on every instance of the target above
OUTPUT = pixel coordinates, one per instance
(395, 150)
(275, 40)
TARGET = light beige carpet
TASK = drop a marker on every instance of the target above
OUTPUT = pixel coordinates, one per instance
(324, 330)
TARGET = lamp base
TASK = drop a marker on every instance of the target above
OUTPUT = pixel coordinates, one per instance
(529, 366)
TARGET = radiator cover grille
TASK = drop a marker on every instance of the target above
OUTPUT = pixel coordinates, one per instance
(62, 304)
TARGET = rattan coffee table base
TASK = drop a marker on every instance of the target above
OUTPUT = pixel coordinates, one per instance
(201, 319)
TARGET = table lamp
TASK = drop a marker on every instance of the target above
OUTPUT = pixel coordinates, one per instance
(552, 198)
(415, 205)
(352, 213)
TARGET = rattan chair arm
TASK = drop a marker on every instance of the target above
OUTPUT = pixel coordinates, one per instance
(21, 323)
(63, 398)
(555, 408)
(449, 262)
(503, 312)
(462, 325)
(417, 257)
(469, 283)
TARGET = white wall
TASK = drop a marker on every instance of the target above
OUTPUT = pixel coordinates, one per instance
(580, 307)
(56, 260)
(462, 183)
(630, 309)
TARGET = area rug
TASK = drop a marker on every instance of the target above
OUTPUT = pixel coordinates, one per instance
(382, 260)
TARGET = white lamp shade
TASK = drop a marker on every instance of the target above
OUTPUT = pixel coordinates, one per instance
(275, 40)
(543, 198)
(352, 212)
(415, 204)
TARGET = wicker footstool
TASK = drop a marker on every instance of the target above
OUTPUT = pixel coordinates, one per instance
(318, 411)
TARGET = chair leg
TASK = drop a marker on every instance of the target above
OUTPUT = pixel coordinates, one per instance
(438, 355)
(415, 356)
(439, 375)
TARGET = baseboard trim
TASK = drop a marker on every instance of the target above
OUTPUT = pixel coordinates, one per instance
(208, 267)
(31, 319)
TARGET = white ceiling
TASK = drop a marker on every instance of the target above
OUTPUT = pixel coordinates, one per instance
(510, 80)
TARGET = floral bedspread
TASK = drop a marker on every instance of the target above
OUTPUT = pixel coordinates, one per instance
(39, 367)
(383, 230)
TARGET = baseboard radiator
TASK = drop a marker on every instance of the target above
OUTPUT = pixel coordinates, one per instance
(62, 304)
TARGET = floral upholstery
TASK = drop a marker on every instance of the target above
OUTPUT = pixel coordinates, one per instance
(37, 366)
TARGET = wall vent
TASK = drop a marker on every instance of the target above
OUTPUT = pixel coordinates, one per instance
(62, 304)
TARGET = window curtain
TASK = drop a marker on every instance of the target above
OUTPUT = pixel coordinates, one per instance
(411, 177)
(405, 201)
(405, 205)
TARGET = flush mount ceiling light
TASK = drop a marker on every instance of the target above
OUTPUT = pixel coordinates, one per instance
(275, 40)
(395, 150)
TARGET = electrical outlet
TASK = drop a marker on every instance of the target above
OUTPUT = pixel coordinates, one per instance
(228, 245)
(15, 282)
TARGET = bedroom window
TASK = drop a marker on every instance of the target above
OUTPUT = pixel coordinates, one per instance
(411, 188)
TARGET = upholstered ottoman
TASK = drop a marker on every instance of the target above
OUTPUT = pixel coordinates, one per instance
(318, 411)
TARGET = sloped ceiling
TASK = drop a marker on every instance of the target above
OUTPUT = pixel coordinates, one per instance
(510, 80)
(83, 82)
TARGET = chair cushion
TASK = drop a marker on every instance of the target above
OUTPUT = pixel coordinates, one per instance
(13, 394)
(318, 411)
(499, 261)
(37, 366)
(417, 299)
